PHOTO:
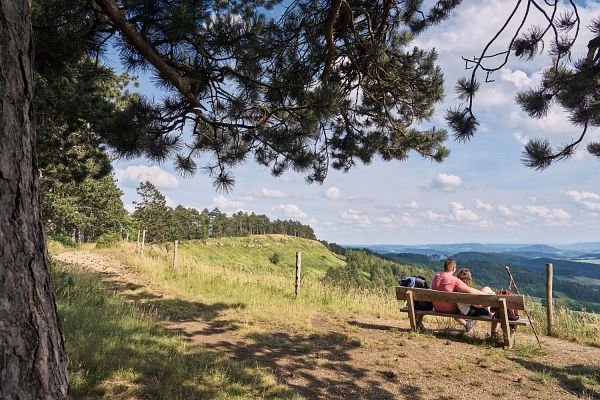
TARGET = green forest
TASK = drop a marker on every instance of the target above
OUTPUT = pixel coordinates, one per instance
(92, 210)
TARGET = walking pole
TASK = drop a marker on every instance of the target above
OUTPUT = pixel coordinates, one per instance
(513, 283)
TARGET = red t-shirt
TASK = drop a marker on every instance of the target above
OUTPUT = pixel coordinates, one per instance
(446, 282)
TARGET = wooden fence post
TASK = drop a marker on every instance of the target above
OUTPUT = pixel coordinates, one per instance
(137, 246)
(143, 241)
(298, 270)
(549, 305)
(175, 253)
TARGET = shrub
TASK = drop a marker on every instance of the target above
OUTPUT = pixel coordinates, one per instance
(107, 239)
(62, 239)
(275, 258)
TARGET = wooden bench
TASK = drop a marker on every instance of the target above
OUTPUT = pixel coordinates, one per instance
(503, 303)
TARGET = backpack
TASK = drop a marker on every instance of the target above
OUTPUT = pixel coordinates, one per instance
(513, 315)
(421, 283)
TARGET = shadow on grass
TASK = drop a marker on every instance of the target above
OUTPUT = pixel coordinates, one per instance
(377, 327)
(579, 379)
(117, 351)
(317, 366)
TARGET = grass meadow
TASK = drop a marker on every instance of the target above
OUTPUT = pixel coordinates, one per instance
(118, 351)
(238, 271)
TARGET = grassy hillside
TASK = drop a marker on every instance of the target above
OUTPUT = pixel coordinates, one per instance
(253, 253)
(238, 273)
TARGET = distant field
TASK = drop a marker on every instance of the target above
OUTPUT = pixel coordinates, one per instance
(589, 261)
(586, 281)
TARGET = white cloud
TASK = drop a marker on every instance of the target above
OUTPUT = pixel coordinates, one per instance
(507, 212)
(480, 205)
(230, 203)
(142, 173)
(413, 205)
(459, 213)
(517, 77)
(384, 220)
(548, 213)
(130, 207)
(289, 210)
(520, 138)
(169, 202)
(356, 217)
(272, 193)
(445, 182)
(433, 216)
(407, 219)
(589, 200)
(332, 193)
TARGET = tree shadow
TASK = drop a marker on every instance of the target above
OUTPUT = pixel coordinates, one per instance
(317, 366)
(572, 378)
(116, 351)
(411, 392)
(178, 310)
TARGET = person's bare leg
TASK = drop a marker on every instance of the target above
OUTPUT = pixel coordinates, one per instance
(487, 290)
(494, 330)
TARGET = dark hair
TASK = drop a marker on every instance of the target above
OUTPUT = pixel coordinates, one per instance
(448, 263)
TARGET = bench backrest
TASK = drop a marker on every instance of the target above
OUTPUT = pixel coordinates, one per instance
(513, 301)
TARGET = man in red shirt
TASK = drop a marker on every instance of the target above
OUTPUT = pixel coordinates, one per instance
(447, 282)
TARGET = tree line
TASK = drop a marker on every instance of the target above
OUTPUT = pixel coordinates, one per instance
(92, 210)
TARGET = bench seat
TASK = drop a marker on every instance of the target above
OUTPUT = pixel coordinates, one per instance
(520, 322)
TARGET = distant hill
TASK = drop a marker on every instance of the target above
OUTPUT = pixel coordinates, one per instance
(255, 252)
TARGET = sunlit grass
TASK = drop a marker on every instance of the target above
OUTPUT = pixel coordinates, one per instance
(117, 351)
(264, 291)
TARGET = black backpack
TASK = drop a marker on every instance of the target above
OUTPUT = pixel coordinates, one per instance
(421, 283)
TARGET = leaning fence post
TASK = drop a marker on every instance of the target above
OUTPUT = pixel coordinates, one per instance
(298, 269)
(175, 253)
(143, 241)
(549, 305)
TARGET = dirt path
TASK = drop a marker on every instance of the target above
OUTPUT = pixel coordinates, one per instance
(361, 357)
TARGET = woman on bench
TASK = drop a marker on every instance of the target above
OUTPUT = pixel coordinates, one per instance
(473, 309)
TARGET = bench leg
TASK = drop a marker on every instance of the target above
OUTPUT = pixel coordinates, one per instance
(506, 330)
(411, 310)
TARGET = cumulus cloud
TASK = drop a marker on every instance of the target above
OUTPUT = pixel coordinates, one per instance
(333, 193)
(520, 138)
(433, 216)
(407, 219)
(289, 210)
(129, 207)
(356, 217)
(517, 77)
(142, 173)
(480, 205)
(272, 193)
(445, 182)
(413, 205)
(548, 213)
(589, 200)
(459, 213)
(230, 203)
(504, 210)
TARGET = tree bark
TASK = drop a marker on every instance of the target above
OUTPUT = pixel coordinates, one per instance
(33, 361)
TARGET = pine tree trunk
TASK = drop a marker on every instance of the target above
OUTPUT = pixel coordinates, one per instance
(33, 362)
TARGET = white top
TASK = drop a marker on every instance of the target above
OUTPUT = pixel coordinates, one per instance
(464, 308)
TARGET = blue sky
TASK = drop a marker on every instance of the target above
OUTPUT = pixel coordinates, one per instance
(481, 193)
